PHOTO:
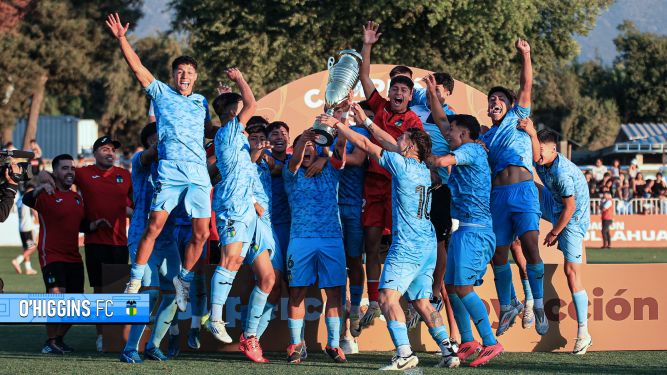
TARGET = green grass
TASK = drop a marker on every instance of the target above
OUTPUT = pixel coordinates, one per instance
(20, 346)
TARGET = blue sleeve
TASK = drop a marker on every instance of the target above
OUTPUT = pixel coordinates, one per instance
(418, 97)
(229, 132)
(465, 155)
(392, 162)
(208, 114)
(137, 166)
(564, 185)
(288, 176)
(349, 147)
(155, 89)
(521, 112)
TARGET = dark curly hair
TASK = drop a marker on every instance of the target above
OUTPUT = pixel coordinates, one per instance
(422, 140)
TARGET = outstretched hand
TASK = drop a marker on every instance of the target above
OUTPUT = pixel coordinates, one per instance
(522, 46)
(527, 125)
(358, 114)
(430, 83)
(234, 74)
(222, 88)
(371, 35)
(327, 120)
(116, 27)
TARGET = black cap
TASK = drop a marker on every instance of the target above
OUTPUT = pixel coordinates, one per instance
(103, 141)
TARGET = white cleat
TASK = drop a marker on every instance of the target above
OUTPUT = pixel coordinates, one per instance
(528, 315)
(449, 357)
(581, 345)
(401, 363)
(132, 287)
(370, 315)
(217, 328)
(182, 293)
(349, 345)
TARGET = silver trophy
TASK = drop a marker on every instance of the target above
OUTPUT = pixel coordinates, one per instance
(343, 76)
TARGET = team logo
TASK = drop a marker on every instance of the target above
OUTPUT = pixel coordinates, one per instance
(158, 187)
(119, 179)
(59, 200)
(231, 231)
(398, 123)
(290, 262)
(95, 177)
(131, 308)
(51, 279)
(78, 201)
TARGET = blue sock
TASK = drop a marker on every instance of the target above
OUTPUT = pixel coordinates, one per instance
(356, 291)
(221, 284)
(512, 292)
(165, 315)
(536, 279)
(503, 278)
(398, 332)
(462, 318)
(439, 334)
(477, 311)
(581, 305)
(186, 275)
(198, 299)
(526, 289)
(265, 319)
(137, 271)
(256, 305)
(333, 331)
(137, 330)
(295, 326)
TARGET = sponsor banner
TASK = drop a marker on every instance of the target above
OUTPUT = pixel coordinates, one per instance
(630, 231)
(74, 308)
(624, 299)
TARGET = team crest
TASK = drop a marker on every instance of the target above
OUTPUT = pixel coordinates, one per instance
(119, 179)
(290, 262)
(398, 123)
(78, 201)
(231, 231)
(131, 308)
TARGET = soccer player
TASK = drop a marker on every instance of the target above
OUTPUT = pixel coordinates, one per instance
(26, 227)
(565, 202)
(394, 117)
(278, 135)
(316, 252)
(472, 245)
(237, 220)
(182, 117)
(515, 206)
(411, 260)
(61, 216)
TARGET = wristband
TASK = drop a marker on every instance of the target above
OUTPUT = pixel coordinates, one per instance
(254, 201)
(367, 122)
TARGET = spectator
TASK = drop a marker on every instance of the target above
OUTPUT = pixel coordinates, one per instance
(126, 159)
(598, 170)
(607, 207)
(8, 189)
(663, 201)
(26, 227)
(10, 146)
(623, 195)
(648, 188)
(634, 169)
(658, 186)
(616, 168)
(638, 184)
(37, 163)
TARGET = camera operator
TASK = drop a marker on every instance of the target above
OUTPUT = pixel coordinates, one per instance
(8, 189)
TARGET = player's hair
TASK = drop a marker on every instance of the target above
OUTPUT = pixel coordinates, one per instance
(422, 140)
(56, 161)
(276, 125)
(254, 120)
(183, 60)
(446, 80)
(255, 128)
(547, 136)
(146, 132)
(364, 105)
(508, 93)
(400, 69)
(402, 79)
(222, 101)
(466, 121)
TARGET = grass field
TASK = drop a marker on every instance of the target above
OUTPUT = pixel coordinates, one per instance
(20, 346)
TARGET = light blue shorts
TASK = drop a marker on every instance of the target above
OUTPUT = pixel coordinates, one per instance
(571, 239)
(414, 280)
(469, 251)
(353, 230)
(320, 260)
(231, 230)
(261, 241)
(515, 210)
(182, 182)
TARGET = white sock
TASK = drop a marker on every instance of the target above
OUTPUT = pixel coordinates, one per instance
(196, 322)
(173, 330)
(27, 265)
(539, 303)
(19, 259)
(216, 312)
(404, 351)
(582, 331)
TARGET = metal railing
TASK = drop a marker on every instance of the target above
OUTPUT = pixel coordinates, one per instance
(635, 206)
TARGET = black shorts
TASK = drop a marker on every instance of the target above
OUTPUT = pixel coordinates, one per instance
(26, 240)
(63, 275)
(214, 252)
(441, 214)
(97, 255)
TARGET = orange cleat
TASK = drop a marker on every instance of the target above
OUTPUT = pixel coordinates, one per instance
(251, 348)
(468, 349)
(336, 354)
(488, 353)
(294, 353)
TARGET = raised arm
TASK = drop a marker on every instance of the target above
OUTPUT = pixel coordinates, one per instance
(526, 125)
(148, 156)
(118, 30)
(526, 80)
(355, 138)
(371, 36)
(386, 141)
(249, 103)
(438, 113)
(441, 161)
(299, 150)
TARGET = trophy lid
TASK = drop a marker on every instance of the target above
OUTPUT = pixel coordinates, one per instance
(352, 52)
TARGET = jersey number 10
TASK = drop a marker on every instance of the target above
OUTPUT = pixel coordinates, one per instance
(424, 202)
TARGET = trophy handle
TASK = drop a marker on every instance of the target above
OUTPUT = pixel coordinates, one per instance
(330, 62)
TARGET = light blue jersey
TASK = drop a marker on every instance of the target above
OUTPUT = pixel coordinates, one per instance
(351, 189)
(142, 191)
(180, 123)
(440, 146)
(279, 205)
(233, 194)
(470, 184)
(313, 202)
(564, 179)
(508, 145)
(262, 188)
(411, 204)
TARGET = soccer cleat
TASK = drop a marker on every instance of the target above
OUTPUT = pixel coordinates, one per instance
(336, 354)
(50, 347)
(99, 344)
(16, 265)
(349, 345)
(468, 349)
(304, 351)
(130, 356)
(506, 319)
(401, 363)
(528, 315)
(370, 315)
(294, 353)
(541, 322)
(449, 358)
(582, 344)
(251, 348)
(61, 344)
(174, 347)
(488, 353)
(182, 293)
(355, 330)
(133, 286)
(217, 328)
(154, 354)
(193, 339)
(30, 271)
